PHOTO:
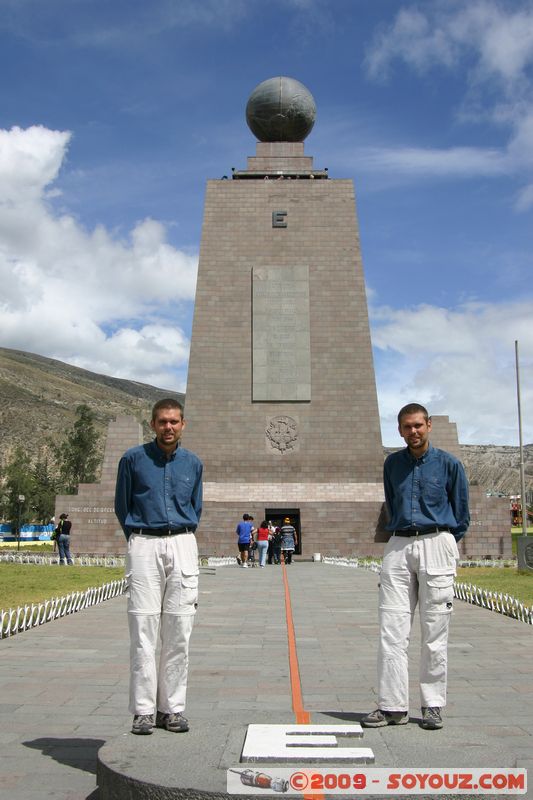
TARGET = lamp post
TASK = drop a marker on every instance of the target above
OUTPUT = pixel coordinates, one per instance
(21, 499)
(524, 549)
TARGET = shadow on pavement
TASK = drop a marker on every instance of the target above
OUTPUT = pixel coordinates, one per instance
(77, 753)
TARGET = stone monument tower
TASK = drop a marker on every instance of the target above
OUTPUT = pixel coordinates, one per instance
(281, 401)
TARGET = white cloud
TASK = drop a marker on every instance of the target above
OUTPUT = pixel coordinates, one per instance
(413, 38)
(490, 46)
(65, 288)
(498, 43)
(457, 362)
(524, 200)
(417, 162)
(29, 161)
(30, 19)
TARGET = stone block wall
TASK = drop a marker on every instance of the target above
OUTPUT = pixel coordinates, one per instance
(490, 531)
(95, 528)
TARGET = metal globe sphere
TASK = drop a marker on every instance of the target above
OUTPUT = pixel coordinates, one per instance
(281, 110)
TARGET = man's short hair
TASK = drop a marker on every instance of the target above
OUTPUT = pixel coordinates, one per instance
(245, 517)
(412, 408)
(166, 402)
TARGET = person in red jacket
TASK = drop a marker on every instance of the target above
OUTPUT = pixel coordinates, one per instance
(263, 535)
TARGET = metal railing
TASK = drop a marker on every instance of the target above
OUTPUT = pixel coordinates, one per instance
(17, 620)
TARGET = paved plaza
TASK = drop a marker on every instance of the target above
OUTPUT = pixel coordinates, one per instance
(64, 686)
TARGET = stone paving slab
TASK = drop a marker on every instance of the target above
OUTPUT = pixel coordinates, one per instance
(63, 687)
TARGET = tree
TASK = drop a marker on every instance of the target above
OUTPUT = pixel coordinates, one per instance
(18, 483)
(77, 456)
(45, 488)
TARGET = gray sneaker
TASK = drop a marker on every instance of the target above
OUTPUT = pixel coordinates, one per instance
(143, 723)
(431, 718)
(175, 723)
(379, 718)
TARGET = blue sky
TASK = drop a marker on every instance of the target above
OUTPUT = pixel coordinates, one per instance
(114, 115)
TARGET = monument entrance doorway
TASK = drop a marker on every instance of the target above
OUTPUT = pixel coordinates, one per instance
(277, 515)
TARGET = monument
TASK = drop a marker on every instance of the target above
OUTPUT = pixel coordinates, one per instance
(489, 532)
(281, 401)
(95, 528)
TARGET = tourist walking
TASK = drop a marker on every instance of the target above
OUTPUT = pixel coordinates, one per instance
(270, 551)
(289, 540)
(158, 503)
(244, 536)
(276, 546)
(63, 539)
(262, 539)
(426, 493)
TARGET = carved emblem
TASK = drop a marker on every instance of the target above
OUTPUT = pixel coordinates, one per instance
(282, 432)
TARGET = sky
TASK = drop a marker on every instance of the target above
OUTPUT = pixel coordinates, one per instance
(113, 116)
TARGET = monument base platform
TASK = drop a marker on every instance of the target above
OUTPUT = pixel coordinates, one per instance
(166, 766)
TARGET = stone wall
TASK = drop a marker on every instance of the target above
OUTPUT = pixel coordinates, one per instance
(95, 529)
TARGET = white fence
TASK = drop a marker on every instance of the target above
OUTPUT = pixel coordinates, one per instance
(16, 620)
(495, 601)
(217, 561)
(21, 619)
(53, 558)
(354, 563)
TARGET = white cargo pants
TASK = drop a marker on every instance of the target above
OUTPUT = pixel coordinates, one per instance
(162, 576)
(416, 570)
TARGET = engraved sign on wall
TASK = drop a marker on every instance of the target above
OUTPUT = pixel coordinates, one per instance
(282, 434)
(281, 355)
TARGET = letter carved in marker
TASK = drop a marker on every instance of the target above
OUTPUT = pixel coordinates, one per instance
(278, 219)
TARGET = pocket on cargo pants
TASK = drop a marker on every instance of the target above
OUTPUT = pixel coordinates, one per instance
(438, 594)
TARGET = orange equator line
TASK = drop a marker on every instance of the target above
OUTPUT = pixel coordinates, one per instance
(302, 716)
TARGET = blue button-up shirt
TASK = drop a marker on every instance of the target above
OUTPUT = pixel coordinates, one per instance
(426, 492)
(154, 491)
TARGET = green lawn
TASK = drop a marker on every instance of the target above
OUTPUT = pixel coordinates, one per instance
(44, 548)
(500, 579)
(22, 584)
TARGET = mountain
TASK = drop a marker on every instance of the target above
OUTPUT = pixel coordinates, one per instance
(497, 468)
(39, 398)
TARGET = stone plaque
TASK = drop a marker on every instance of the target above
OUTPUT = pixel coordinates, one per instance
(281, 348)
(303, 743)
(282, 434)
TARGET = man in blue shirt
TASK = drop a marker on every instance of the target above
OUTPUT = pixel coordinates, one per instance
(158, 502)
(426, 494)
(244, 536)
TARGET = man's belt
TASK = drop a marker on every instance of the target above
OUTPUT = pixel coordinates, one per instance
(161, 531)
(421, 531)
